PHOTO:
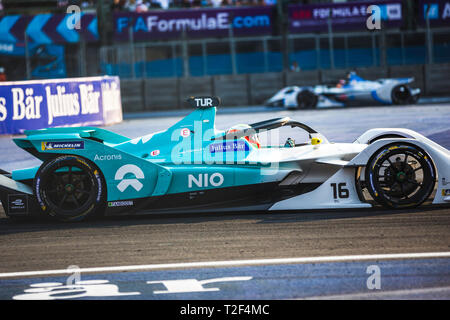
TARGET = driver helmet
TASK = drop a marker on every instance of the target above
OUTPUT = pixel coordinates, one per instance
(350, 74)
(252, 139)
(341, 83)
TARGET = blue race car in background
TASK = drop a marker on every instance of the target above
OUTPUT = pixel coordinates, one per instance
(352, 91)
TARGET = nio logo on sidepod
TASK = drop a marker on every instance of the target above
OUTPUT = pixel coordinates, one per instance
(203, 180)
(125, 183)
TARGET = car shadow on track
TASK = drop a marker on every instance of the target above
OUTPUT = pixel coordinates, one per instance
(13, 226)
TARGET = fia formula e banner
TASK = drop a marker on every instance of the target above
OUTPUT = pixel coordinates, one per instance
(437, 11)
(29, 105)
(344, 16)
(167, 24)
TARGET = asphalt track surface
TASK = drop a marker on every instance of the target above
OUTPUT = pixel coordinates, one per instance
(179, 247)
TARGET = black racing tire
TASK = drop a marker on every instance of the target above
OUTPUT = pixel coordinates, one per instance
(401, 95)
(306, 99)
(70, 188)
(400, 176)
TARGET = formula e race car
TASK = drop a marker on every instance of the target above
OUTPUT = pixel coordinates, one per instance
(352, 91)
(193, 167)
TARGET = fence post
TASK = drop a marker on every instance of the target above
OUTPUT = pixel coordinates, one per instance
(185, 55)
(248, 81)
(383, 47)
(131, 40)
(282, 13)
(266, 57)
(346, 50)
(330, 42)
(402, 43)
(285, 48)
(102, 58)
(143, 56)
(425, 79)
(27, 58)
(232, 49)
(82, 58)
(429, 37)
(174, 59)
(143, 94)
(374, 49)
(204, 56)
(317, 42)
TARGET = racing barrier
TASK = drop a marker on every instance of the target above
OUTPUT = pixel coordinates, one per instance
(253, 89)
(29, 105)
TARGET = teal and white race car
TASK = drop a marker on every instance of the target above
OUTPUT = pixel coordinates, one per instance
(193, 167)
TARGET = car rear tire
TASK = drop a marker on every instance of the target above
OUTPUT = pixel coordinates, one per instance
(401, 95)
(307, 99)
(400, 176)
(70, 188)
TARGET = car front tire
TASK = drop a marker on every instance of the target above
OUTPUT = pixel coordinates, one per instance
(400, 176)
(401, 95)
(307, 99)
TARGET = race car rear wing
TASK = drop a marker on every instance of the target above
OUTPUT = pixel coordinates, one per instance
(94, 133)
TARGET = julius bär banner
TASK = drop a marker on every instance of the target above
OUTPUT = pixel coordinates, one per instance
(29, 105)
(168, 24)
(344, 16)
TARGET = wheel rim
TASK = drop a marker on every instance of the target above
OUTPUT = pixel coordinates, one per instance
(68, 188)
(306, 100)
(401, 94)
(402, 177)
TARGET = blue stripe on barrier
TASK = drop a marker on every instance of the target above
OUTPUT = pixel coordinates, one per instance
(93, 28)
(34, 29)
(6, 23)
(70, 34)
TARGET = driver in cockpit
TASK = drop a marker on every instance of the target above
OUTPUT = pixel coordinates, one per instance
(345, 81)
(253, 138)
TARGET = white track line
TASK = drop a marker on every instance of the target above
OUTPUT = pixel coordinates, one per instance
(393, 294)
(232, 263)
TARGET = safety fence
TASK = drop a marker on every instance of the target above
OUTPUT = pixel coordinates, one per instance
(244, 55)
(225, 41)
